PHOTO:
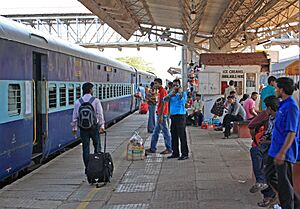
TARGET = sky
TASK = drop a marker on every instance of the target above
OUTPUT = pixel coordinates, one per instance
(161, 59)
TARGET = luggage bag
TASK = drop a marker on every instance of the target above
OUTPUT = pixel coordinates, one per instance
(100, 167)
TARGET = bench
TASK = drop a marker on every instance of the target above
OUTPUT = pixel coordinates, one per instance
(241, 128)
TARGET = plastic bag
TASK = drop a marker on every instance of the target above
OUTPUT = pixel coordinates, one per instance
(135, 148)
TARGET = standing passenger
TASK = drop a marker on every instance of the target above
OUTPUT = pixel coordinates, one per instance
(87, 101)
(151, 99)
(162, 115)
(178, 119)
(229, 89)
(269, 90)
(141, 90)
(284, 146)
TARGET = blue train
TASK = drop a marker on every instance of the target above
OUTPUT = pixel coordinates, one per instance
(40, 78)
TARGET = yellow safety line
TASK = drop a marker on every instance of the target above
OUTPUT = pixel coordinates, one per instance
(88, 198)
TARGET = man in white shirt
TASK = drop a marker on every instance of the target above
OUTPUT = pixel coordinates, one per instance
(229, 89)
(197, 108)
(93, 132)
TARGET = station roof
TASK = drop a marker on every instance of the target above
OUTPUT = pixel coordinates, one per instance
(233, 24)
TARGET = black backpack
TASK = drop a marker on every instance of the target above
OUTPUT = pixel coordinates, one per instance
(87, 118)
(218, 107)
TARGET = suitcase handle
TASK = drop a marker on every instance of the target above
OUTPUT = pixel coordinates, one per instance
(104, 151)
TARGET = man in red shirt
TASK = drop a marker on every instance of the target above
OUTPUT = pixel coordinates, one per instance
(161, 125)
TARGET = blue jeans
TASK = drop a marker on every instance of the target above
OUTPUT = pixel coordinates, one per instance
(151, 118)
(167, 136)
(85, 136)
(257, 164)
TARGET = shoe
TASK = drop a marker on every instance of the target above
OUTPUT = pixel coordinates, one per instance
(149, 151)
(172, 156)
(225, 137)
(166, 151)
(258, 187)
(267, 201)
(274, 206)
(183, 157)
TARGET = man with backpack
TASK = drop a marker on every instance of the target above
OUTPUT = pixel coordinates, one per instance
(88, 116)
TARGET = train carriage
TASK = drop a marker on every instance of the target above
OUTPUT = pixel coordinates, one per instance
(40, 78)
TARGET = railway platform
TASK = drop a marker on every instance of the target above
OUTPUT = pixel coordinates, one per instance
(218, 175)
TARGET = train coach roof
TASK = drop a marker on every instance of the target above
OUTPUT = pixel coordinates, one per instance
(18, 32)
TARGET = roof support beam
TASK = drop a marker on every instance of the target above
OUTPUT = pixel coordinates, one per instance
(239, 17)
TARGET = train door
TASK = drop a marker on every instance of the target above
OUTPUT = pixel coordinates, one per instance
(40, 114)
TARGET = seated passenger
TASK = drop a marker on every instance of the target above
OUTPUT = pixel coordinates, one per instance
(244, 98)
(249, 106)
(197, 110)
(226, 104)
(236, 112)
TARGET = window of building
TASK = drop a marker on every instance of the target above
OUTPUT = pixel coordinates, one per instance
(71, 94)
(14, 99)
(62, 95)
(52, 96)
(78, 91)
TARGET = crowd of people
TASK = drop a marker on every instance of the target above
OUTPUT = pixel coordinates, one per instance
(275, 138)
(170, 105)
(274, 129)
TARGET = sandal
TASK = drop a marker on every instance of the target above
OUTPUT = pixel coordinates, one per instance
(266, 202)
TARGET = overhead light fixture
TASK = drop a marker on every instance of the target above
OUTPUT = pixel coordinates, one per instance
(193, 15)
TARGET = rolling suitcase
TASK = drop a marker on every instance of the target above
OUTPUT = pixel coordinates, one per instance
(100, 167)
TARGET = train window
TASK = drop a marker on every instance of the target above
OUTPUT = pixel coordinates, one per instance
(104, 91)
(62, 95)
(14, 99)
(71, 94)
(52, 96)
(107, 77)
(129, 90)
(115, 90)
(100, 92)
(95, 92)
(78, 91)
(120, 90)
(99, 67)
(108, 92)
(115, 70)
(112, 91)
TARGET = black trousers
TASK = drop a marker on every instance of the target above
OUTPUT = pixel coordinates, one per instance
(227, 120)
(280, 178)
(178, 131)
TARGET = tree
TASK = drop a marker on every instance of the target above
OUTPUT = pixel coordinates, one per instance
(137, 62)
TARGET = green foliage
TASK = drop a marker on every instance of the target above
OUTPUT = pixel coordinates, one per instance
(137, 62)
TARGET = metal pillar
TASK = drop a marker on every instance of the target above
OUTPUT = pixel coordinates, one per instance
(184, 72)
